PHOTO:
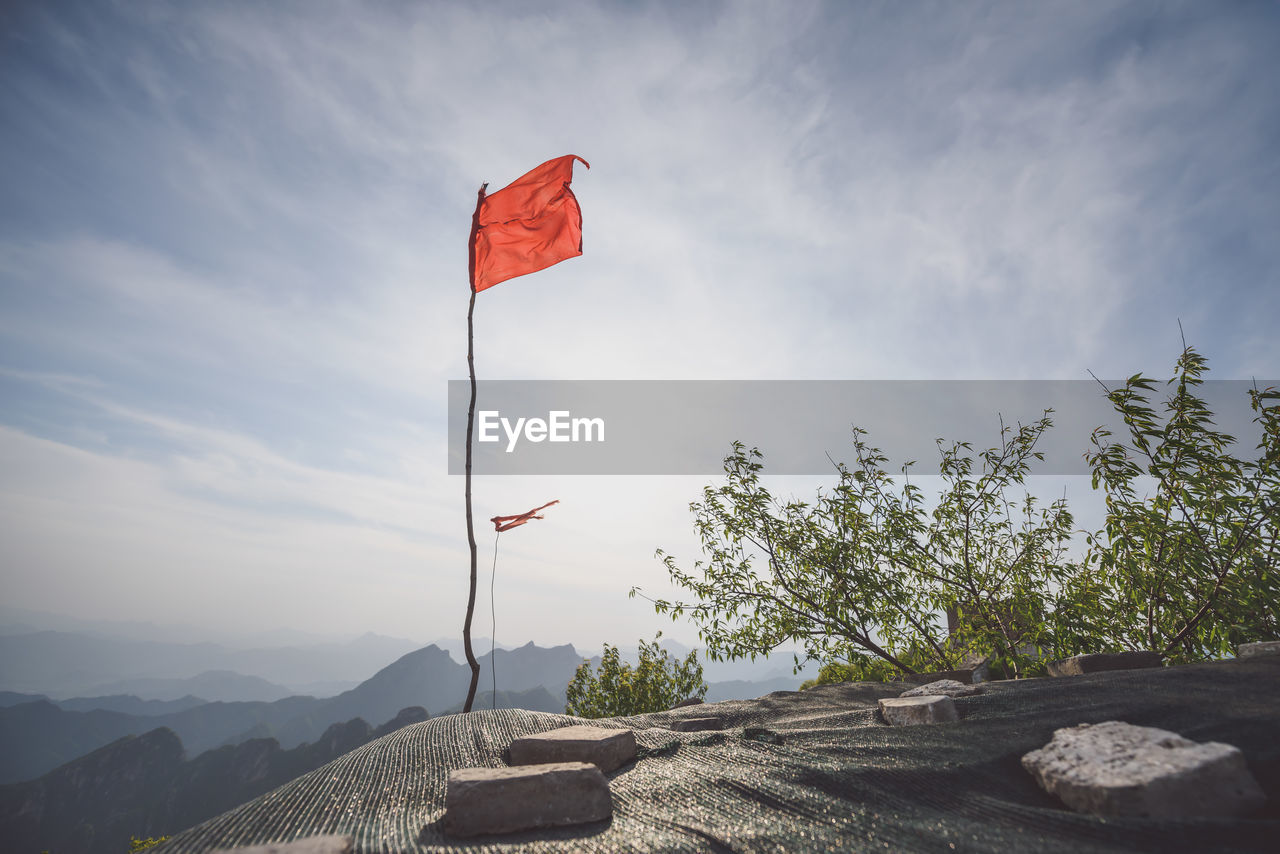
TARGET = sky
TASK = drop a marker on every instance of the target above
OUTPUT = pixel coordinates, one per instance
(233, 281)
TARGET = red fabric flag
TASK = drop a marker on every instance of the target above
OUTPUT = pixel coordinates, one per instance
(528, 225)
(506, 523)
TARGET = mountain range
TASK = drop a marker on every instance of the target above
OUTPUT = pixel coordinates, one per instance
(39, 735)
(126, 703)
(144, 786)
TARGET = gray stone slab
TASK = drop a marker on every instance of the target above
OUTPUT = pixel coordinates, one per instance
(505, 800)
(688, 701)
(978, 665)
(606, 748)
(943, 687)
(1256, 650)
(1078, 665)
(310, 845)
(911, 711)
(697, 724)
(1117, 769)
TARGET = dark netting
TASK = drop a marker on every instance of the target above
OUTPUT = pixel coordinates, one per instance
(808, 771)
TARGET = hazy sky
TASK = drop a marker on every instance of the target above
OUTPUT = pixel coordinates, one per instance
(233, 279)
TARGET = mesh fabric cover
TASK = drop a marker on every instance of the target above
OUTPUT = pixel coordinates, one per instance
(806, 771)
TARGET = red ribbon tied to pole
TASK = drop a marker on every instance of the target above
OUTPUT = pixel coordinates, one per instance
(506, 523)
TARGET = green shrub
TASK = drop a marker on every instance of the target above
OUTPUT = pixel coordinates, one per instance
(1190, 569)
(860, 576)
(655, 684)
(864, 571)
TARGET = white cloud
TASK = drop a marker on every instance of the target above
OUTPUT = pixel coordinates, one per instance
(243, 290)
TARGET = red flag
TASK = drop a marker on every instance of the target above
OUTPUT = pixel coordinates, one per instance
(528, 225)
(506, 523)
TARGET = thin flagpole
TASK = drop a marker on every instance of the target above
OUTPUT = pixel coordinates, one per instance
(493, 616)
(471, 416)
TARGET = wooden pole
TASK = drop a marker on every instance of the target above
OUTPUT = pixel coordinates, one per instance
(471, 416)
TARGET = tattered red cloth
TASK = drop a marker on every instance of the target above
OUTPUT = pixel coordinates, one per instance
(506, 523)
(528, 225)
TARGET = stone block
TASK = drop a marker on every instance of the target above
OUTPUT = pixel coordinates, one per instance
(1256, 650)
(1118, 769)
(697, 724)
(310, 845)
(978, 665)
(909, 711)
(687, 701)
(606, 748)
(504, 800)
(1078, 665)
(943, 687)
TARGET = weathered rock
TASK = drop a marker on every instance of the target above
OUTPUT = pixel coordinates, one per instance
(1254, 650)
(1078, 665)
(697, 724)
(1117, 769)
(943, 687)
(504, 800)
(310, 845)
(687, 701)
(963, 676)
(909, 711)
(606, 748)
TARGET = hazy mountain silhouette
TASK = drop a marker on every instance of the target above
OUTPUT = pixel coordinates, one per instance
(535, 700)
(72, 664)
(740, 689)
(130, 705)
(39, 736)
(216, 685)
(17, 698)
(427, 677)
(529, 666)
(36, 737)
(143, 786)
(454, 646)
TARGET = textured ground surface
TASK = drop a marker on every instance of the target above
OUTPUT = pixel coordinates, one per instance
(839, 779)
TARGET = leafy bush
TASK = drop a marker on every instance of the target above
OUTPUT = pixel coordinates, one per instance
(136, 844)
(1192, 569)
(864, 572)
(861, 576)
(655, 684)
